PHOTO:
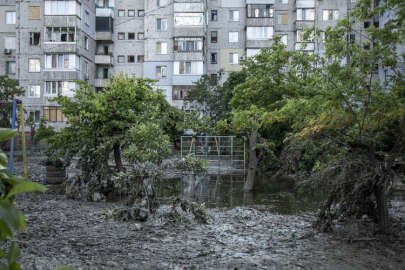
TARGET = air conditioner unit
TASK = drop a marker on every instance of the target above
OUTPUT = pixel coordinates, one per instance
(7, 51)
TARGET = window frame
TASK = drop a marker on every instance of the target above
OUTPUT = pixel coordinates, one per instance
(37, 66)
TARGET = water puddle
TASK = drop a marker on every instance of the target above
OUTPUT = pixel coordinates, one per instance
(226, 191)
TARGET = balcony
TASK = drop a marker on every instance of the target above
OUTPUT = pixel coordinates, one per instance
(188, 7)
(304, 46)
(105, 12)
(107, 36)
(103, 59)
(102, 83)
(305, 4)
(60, 47)
(260, 1)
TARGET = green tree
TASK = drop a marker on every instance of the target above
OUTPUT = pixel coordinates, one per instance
(104, 123)
(271, 76)
(358, 110)
(213, 96)
(44, 132)
(30, 122)
(9, 89)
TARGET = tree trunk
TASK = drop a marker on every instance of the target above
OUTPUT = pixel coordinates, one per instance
(382, 209)
(117, 156)
(252, 161)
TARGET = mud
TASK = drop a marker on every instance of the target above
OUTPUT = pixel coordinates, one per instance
(75, 233)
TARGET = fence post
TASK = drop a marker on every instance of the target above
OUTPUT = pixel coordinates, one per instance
(181, 147)
(10, 159)
(232, 151)
(244, 154)
(22, 120)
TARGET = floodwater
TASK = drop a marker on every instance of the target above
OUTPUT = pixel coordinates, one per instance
(226, 191)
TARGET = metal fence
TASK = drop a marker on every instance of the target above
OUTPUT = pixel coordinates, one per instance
(222, 151)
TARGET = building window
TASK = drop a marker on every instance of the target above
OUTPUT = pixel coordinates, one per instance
(352, 38)
(131, 12)
(87, 17)
(162, 3)
(283, 1)
(53, 88)
(35, 38)
(86, 43)
(188, 19)
(233, 36)
(121, 13)
(121, 36)
(161, 47)
(284, 39)
(62, 7)
(367, 24)
(34, 65)
(188, 67)
(260, 11)
(10, 67)
(188, 44)
(214, 58)
(36, 115)
(140, 58)
(301, 36)
(121, 59)
(233, 58)
(282, 19)
(161, 24)
(305, 14)
(179, 92)
(85, 70)
(141, 13)
(10, 17)
(62, 61)
(161, 71)
(131, 36)
(141, 35)
(330, 15)
(214, 15)
(60, 34)
(54, 114)
(34, 13)
(34, 91)
(259, 33)
(131, 58)
(234, 15)
(252, 52)
(9, 43)
(214, 36)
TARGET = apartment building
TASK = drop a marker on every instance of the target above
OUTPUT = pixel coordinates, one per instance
(48, 44)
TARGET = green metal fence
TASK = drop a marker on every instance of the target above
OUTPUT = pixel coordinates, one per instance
(221, 151)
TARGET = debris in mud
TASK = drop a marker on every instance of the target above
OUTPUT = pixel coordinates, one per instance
(127, 214)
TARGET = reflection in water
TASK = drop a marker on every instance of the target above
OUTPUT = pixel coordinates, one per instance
(227, 191)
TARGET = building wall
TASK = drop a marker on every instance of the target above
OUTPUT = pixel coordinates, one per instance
(143, 48)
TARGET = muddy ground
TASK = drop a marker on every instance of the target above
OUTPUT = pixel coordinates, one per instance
(67, 232)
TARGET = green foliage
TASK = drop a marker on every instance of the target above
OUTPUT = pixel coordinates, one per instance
(357, 111)
(148, 142)
(192, 164)
(11, 219)
(44, 132)
(212, 96)
(9, 89)
(122, 117)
